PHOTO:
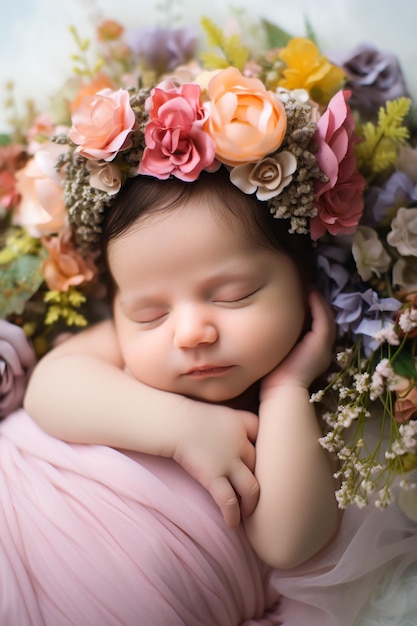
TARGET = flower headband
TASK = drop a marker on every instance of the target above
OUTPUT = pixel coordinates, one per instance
(269, 141)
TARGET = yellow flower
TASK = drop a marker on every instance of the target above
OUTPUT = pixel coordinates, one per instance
(307, 69)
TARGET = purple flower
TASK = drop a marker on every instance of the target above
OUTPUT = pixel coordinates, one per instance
(17, 359)
(364, 313)
(373, 77)
(333, 274)
(162, 49)
(399, 190)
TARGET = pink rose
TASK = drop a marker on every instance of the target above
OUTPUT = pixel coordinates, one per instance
(17, 359)
(101, 125)
(41, 209)
(246, 122)
(176, 143)
(339, 201)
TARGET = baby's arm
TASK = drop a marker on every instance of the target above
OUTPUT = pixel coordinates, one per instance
(297, 511)
(79, 392)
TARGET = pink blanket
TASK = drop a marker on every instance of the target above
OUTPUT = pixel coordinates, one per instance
(89, 535)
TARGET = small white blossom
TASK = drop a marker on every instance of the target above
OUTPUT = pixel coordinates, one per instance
(317, 397)
(362, 382)
(387, 334)
(408, 320)
(385, 498)
(343, 357)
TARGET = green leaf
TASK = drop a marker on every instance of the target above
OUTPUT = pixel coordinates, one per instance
(4, 139)
(19, 280)
(277, 37)
(403, 365)
(310, 31)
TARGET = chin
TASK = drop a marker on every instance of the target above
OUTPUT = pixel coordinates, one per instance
(245, 400)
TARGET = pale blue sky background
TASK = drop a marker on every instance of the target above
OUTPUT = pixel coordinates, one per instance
(35, 44)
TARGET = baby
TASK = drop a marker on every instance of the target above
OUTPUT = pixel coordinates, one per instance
(215, 339)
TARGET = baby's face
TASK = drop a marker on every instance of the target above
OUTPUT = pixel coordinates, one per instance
(200, 310)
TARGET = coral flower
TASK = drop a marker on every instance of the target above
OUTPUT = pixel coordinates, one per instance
(307, 69)
(246, 122)
(65, 267)
(109, 30)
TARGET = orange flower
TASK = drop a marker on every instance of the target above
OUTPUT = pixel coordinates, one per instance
(65, 267)
(246, 122)
(99, 82)
(109, 30)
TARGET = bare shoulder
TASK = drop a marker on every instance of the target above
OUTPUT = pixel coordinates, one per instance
(98, 341)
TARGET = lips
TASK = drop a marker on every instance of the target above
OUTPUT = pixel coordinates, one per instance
(206, 371)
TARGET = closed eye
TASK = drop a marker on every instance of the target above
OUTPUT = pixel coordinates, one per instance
(150, 317)
(235, 299)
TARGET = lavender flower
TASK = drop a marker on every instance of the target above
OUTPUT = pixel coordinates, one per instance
(17, 359)
(399, 190)
(162, 49)
(373, 77)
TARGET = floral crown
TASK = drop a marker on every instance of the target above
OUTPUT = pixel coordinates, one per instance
(327, 145)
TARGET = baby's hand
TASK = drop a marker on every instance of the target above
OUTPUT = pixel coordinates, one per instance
(216, 446)
(311, 356)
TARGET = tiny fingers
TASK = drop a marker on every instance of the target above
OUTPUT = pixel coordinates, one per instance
(235, 495)
(226, 499)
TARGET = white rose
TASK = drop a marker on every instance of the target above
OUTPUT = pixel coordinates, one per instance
(105, 176)
(404, 274)
(369, 253)
(403, 235)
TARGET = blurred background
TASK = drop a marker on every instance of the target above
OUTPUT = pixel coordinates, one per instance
(36, 45)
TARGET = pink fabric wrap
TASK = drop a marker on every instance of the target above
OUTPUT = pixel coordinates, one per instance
(90, 535)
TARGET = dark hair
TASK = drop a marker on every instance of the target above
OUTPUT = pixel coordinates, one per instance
(143, 195)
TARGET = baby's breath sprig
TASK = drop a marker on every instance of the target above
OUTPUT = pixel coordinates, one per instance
(363, 390)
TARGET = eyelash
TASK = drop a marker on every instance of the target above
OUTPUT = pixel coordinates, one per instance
(237, 300)
(218, 301)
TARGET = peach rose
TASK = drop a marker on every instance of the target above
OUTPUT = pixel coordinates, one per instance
(41, 209)
(65, 267)
(102, 124)
(246, 122)
(98, 83)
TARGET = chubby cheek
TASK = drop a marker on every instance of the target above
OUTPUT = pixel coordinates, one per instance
(279, 337)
